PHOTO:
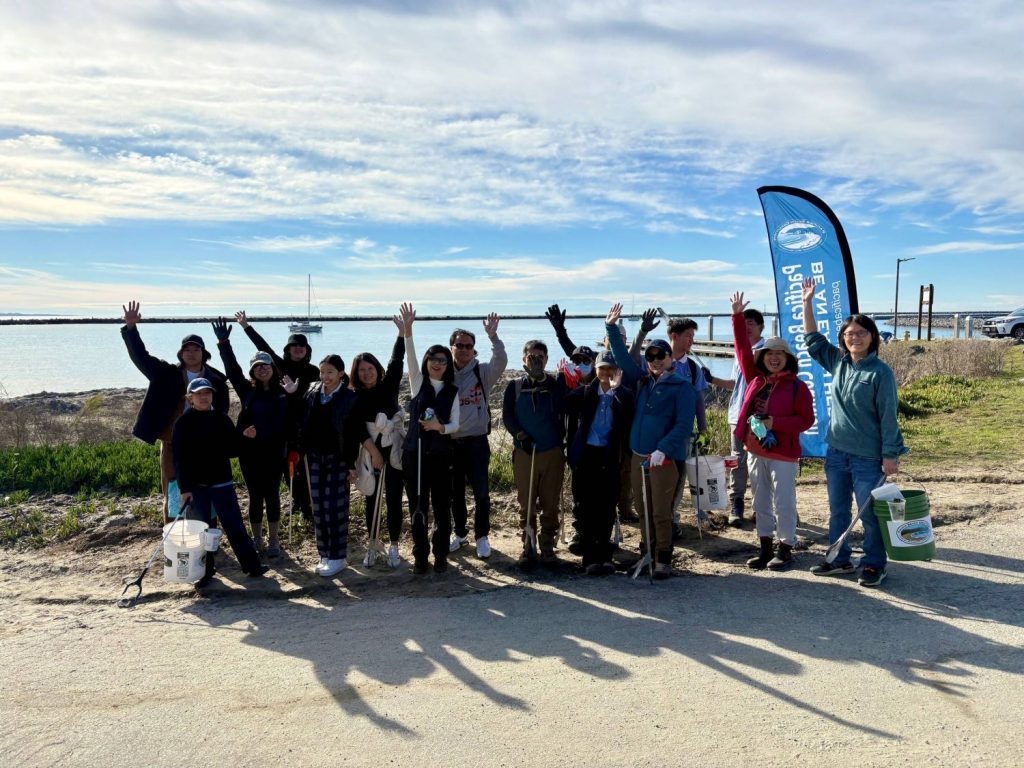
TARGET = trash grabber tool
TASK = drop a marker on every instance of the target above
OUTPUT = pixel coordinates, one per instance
(419, 482)
(531, 533)
(309, 481)
(833, 550)
(617, 530)
(291, 495)
(375, 543)
(561, 510)
(129, 582)
(648, 558)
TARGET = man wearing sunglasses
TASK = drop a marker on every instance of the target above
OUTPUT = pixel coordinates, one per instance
(533, 411)
(659, 436)
(472, 450)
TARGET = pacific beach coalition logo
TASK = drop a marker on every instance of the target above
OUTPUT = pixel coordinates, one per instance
(800, 236)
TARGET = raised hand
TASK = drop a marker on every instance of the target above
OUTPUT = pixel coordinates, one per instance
(648, 321)
(738, 304)
(289, 384)
(221, 329)
(491, 325)
(132, 315)
(809, 289)
(241, 319)
(614, 314)
(408, 316)
(556, 316)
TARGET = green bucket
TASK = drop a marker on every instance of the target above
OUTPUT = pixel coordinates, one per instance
(911, 538)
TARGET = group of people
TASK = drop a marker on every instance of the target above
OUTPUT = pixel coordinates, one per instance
(625, 420)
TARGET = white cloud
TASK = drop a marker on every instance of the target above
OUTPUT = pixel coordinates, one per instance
(279, 244)
(974, 246)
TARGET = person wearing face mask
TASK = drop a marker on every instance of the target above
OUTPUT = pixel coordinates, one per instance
(599, 417)
(165, 394)
(582, 374)
(864, 439)
(265, 409)
(783, 406)
(533, 411)
(659, 436)
(434, 414)
(329, 438)
(471, 457)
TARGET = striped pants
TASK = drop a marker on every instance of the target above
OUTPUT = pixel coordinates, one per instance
(328, 477)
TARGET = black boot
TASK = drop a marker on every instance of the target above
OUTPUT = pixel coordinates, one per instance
(783, 558)
(766, 554)
(211, 568)
(736, 513)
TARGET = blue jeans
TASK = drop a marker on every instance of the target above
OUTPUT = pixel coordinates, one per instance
(847, 475)
(224, 498)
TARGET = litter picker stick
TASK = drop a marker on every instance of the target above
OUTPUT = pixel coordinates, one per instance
(375, 542)
(309, 481)
(129, 582)
(531, 534)
(648, 558)
(419, 482)
(291, 495)
(833, 550)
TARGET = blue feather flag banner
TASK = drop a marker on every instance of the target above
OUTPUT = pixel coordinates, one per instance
(807, 240)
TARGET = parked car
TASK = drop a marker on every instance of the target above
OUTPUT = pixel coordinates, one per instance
(1007, 325)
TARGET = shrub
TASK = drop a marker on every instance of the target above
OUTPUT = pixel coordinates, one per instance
(972, 358)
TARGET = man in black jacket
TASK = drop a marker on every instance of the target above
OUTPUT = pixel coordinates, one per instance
(165, 396)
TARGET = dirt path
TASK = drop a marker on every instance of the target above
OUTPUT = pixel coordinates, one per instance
(485, 666)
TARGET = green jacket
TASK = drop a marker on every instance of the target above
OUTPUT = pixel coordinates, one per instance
(864, 402)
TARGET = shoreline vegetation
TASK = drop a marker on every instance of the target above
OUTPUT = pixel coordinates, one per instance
(906, 321)
(958, 402)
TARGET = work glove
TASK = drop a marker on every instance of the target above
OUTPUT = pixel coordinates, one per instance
(657, 459)
(649, 321)
(221, 329)
(556, 316)
(701, 443)
(525, 442)
(293, 458)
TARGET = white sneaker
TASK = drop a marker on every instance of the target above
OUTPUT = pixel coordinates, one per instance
(371, 558)
(393, 558)
(321, 565)
(483, 548)
(333, 567)
(457, 543)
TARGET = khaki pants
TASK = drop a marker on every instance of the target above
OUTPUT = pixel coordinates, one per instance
(548, 468)
(661, 484)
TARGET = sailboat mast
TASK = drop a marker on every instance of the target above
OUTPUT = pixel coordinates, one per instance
(309, 297)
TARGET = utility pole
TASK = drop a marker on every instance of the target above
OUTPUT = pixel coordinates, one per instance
(896, 302)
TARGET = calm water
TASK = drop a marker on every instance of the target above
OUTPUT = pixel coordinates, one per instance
(74, 358)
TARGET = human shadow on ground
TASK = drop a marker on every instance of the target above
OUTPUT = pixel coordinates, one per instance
(586, 623)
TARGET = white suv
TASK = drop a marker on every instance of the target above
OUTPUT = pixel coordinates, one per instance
(1008, 325)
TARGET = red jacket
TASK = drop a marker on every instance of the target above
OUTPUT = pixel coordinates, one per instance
(790, 403)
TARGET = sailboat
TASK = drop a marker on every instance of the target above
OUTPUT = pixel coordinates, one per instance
(309, 326)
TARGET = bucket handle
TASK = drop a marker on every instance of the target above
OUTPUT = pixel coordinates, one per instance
(912, 479)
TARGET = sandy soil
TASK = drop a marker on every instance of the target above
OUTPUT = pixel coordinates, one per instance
(490, 666)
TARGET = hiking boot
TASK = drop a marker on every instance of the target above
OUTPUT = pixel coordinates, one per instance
(600, 569)
(766, 554)
(832, 569)
(259, 570)
(483, 548)
(457, 542)
(782, 558)
(332, 568)
(420, 566)
(736, 513)
(576, 545)
(871, 577)
(440, 564)
(370, 558)
(394, 560)
(662, 571)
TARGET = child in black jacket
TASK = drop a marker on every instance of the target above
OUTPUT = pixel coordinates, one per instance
(204, 440)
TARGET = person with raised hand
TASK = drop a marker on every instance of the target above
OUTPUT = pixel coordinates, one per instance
(377, 409)
(265, 409)
(864, 439)
(165, 395)
(782, 405)
(434, 416)
(329, 438)
(659, 436)
(471, 457)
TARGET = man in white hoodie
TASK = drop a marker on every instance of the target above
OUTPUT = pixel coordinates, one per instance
(472, 457)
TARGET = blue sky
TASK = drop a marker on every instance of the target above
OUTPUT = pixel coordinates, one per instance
(470, 156)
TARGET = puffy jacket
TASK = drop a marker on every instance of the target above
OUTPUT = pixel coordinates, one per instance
(345, 426)
(789, 403)
(166, 390)
(665, 407)
(581, 407)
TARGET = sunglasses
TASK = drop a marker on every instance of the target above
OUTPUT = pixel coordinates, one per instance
(438, 360)
(463, 346)
(655, 354)
(261, 365)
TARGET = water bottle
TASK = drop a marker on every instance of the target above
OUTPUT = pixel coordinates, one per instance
(757, 427)
(428, 414)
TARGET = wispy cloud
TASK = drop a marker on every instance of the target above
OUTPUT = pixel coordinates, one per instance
(970, 246)
(279, 244)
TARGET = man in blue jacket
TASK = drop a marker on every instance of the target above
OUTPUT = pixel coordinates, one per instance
(165, 396)
(662, 426)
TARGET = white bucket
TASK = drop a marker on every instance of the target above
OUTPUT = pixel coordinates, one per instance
(711, 492)
(185, 551)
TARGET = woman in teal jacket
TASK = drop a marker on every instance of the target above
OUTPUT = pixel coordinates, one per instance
(662, 425)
